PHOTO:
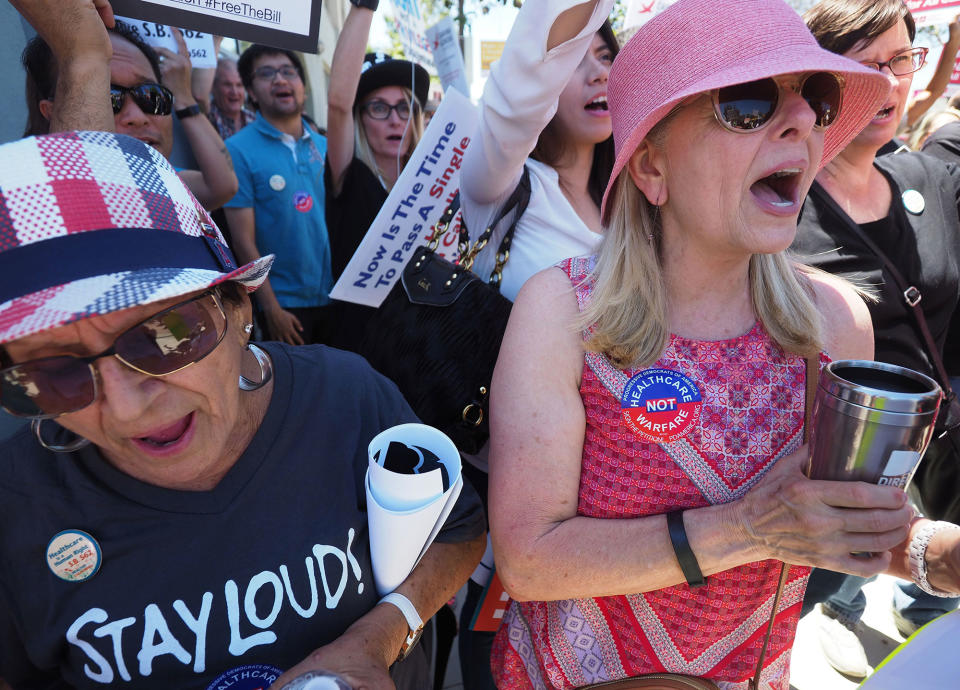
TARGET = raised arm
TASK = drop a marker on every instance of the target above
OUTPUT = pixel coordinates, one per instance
(344, 78)
(76, 32)
(215, 183)
(544, 550)
(548, 40)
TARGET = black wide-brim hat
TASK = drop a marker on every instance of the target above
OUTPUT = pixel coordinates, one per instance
(379, 69)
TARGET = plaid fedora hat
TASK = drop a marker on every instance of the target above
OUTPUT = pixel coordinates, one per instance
(95, 222)
(695, 46)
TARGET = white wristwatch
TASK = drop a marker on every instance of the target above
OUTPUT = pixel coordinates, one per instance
(414, 622)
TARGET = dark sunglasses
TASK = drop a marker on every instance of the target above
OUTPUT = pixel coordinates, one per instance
(152, 99)
(380, 110)
(750, 106)
(166, 342)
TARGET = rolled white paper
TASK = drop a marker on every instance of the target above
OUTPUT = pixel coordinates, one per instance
(406, 511)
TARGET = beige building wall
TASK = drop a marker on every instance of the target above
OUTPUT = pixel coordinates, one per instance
(318, 66)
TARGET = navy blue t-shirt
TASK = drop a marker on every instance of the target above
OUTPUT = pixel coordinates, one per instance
(209, 589)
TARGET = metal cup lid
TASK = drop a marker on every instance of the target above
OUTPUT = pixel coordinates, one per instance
(881, 386)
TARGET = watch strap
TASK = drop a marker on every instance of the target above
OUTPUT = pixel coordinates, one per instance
(369, 4)
(189, 111)
(681, 547)
(414, 622)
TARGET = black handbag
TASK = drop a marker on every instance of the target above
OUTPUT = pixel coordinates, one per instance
(438, 332)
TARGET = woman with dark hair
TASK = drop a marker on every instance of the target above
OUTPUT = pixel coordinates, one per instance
(544, 107)
(905, 205)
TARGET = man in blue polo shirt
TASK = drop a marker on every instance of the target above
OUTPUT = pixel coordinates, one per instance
(279, 208)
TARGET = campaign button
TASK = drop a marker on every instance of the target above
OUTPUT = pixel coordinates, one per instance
(73, 555)
(302, 201)
(277, 183)
(249, 677)
(913, 201)
(661, 405)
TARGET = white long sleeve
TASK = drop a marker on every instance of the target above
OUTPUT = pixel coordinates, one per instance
(519, 100)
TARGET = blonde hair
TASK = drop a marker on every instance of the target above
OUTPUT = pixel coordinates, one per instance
(414, 130)
(627, 311)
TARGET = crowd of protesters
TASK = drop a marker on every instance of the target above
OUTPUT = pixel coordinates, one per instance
(704, 203)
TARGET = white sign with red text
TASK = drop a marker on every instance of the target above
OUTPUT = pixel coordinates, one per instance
(932, 12)
(426, 186)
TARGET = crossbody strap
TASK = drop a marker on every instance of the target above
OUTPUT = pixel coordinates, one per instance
(911, 297)
(810, 391)
(910, 293)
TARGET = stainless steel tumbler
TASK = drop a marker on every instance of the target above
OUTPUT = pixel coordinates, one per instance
(872, 422)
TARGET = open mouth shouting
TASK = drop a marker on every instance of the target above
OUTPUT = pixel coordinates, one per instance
(168, 439)
(598, 105)
(884, 114)
(779, 191)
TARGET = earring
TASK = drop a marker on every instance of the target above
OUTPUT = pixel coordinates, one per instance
(248, 328)
(266, 370)
(69, 447)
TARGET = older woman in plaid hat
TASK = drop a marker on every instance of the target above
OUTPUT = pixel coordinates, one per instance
(186, 509)
(655, 393)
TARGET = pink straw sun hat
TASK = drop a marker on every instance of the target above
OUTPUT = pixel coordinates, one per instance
(695, 46)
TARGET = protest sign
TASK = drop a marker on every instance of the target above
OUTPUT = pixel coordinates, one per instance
(290, 24)
(931, 12)
(447, 56)
(200, 44)
(408, 22)
(426, 186)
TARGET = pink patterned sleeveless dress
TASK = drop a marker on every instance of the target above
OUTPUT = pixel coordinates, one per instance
(750, 414)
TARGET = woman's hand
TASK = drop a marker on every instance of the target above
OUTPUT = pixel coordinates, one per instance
(350, 656)
(822, 523)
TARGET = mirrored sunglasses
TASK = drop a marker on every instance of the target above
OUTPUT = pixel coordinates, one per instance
(152, 99)
(162, 344)
(750, 106)
(380, 110)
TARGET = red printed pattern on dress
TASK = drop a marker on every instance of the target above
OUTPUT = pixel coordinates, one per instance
(753, 410)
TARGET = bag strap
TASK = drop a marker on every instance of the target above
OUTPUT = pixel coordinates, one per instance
(810, 391)
(518, 199)
(911, 296)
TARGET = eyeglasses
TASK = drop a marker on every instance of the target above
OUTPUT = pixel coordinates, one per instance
(750, 106)
(380, 110)
(152, 99)
(162, 344)
(268, 73)
(907, 62)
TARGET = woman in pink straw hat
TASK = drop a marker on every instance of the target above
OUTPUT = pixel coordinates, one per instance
(187, 508)
(646, 474)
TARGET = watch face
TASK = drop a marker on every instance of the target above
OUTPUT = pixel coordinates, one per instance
(410, 643)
